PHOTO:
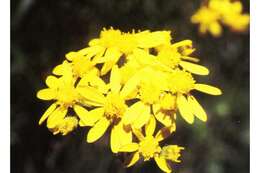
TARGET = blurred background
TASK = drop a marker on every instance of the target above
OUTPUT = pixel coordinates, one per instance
(42, 32)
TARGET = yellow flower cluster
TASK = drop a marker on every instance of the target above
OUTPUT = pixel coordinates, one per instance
(132, 83)
(228, 12)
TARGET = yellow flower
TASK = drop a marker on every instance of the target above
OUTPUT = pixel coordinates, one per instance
(112, 108)
(215, 12)
(129, 81)
(148, 84)
(170, 56)
(112, 44)
(231, 13)
(149, 147)
(180, 84)
(65, 94)
(208, 20)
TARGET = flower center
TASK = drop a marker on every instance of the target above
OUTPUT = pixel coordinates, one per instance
(114, 106)
(168, 102)
(149, 93)
(169, 57)
(67, 95)
(181, 81)
(148, 147)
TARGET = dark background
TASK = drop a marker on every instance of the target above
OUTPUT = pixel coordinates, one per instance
(43, 31)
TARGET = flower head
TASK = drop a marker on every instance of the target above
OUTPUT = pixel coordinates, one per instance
(149, 148)
(122, 83)
(217, 12)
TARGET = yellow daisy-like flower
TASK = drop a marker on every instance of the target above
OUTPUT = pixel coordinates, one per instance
(181, 83)
(112, 108)
(226, 12)
(148, 147)
(126, 82)
(176, 55)
(208, 20)
(66, 96)
(112, 44)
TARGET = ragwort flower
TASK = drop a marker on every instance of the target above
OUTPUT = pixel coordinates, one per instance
(122, 83)
(217, 12)
(149, 148)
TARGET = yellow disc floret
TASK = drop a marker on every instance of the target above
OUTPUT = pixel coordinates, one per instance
(67, 95)
(169, 57)
(181, 82)
(114, 106)
(148, 147)
(168, 102)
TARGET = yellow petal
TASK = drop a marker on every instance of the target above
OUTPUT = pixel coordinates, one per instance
(89, 52)
(47, 94)
(133, 159)
(138, 134)
(71, 55)
(197, 110)
(52, 82)
(91, 94)
(208, 89)
(130, 86)
(182, 43)
(56, 117)
(47, 113)
(119, 137)
(88, 118)
(142, 118)
(63, 69)
(165, 119)
(161, 162)
(194, 68)
(115, 79)
(94, 81)
(154, 39)
(131, 147)
(98, 130)
(165, 132)
(150, 126)
(184, 109)
(58, 70)
(215, 29)
(190, 58)
(112, 55)
(133, 112)
(90, 103)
